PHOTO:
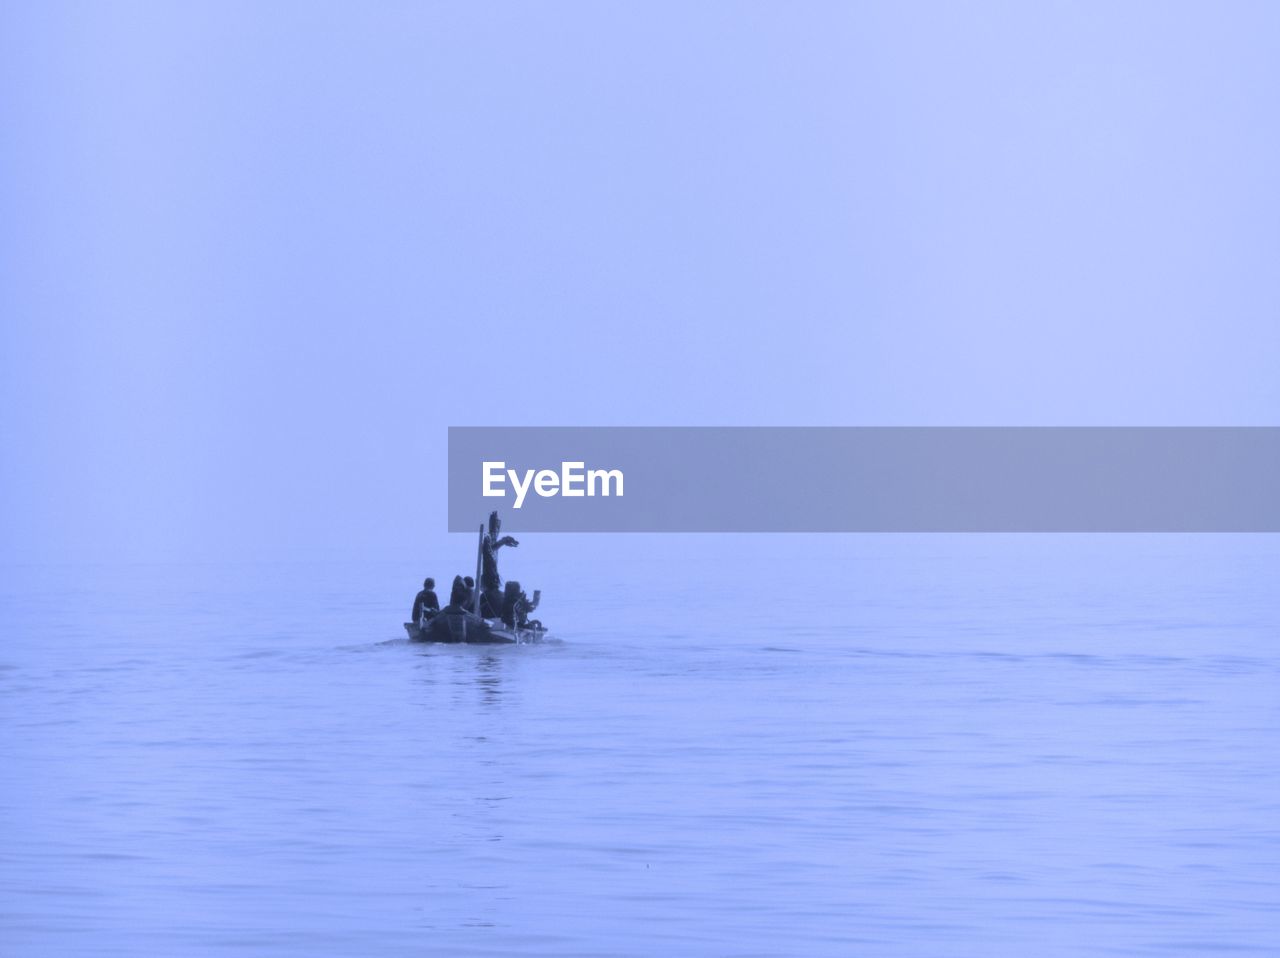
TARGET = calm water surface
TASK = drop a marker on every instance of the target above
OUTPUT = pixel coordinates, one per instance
(927, 747)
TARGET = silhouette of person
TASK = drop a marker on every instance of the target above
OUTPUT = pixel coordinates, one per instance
(425, 601)
(459, 594)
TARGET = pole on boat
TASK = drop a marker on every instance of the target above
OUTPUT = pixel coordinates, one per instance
(479, 555)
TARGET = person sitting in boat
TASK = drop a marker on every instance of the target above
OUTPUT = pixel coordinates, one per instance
(459, 594)
(425, 603)
(464, 596)
(459, 599)
(516, 607)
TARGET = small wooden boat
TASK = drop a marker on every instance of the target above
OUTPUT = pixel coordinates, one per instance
(451, 624)
(454, 627)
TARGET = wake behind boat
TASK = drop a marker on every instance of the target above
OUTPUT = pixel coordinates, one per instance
(485, 613)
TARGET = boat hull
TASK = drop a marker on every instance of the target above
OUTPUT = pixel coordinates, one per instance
(470, 629)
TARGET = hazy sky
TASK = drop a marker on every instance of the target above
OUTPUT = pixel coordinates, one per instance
(255, 258)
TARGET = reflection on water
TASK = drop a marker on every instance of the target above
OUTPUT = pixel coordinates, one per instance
(489, 678)
(968, 753)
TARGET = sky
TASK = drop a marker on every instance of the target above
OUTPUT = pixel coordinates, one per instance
(255, 259)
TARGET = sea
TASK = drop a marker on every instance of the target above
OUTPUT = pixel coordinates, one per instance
(729, 746)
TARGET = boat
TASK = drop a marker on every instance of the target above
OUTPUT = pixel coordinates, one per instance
(452, 625)
(465, 627)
